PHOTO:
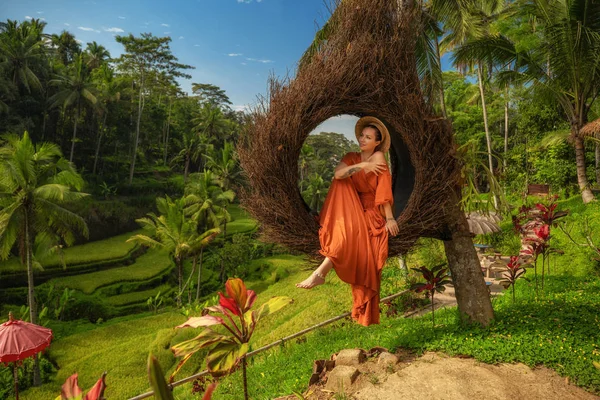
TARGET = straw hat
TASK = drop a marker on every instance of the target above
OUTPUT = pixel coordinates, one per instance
(384, 146)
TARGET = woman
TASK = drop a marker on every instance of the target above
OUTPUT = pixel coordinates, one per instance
(356, 220)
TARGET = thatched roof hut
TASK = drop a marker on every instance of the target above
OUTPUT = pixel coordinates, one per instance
(366, 67)
(591, 129)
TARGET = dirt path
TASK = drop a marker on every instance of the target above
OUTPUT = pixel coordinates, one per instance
(435, 376)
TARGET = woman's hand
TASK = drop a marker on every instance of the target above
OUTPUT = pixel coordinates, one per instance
(375, 167)
(392, 226)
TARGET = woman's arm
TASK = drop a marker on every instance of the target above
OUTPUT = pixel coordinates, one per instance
(390, 222)
(343, 170)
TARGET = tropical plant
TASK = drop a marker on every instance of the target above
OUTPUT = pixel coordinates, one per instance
(144, 57)
(71, 390)
(22, 53)
(225, 165)
(514, 270)
(563, 65)
(35, 184)
(226, 351)
(159, 385)
(95, 54)
(208, 206)
(75, 89)
(436, 280)
(154, 302)
(174, 231)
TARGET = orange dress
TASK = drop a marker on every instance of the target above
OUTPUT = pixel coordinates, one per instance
(354, 237)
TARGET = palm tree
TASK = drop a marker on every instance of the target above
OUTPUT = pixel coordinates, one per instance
(175, 231)
(208, 203)
(66, 46)
(564, 66)
(75, 89)
(109, 92)
(211, 122)
(22, 53)
(95, 55)
(315, 192)
(35, 184)
(226, 166)
(193, 146)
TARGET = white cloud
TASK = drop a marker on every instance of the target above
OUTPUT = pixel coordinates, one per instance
(259, 60)
(167, 25)
(79, 41)
(244, 64)
(234, 54)
(67, 24)
(181, 37)
(120, 17)
(39, 12)
(42, 19)
(196, 45)
(87, 29)
(244, 1)
(244, 107)
(113, 30)
(27, 17)
(166, 33)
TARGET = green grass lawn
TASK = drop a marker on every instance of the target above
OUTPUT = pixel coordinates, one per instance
(101, 250)
(558, 328)
(138, 297)
(147, 266)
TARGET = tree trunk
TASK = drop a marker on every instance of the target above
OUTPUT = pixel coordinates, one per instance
(137, 132)
(505, 129)
(37, 380)
(472, 296)
(598, 164)
(584, 186)
(199, 274)
(74, 132)
(179, 263)
(187, 168)
(168, 129)
(487, 130)
(442, 100)
(100, 134)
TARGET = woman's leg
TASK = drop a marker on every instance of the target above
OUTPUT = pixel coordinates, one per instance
(318, 276)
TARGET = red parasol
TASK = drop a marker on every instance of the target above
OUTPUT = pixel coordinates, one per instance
(19, 340)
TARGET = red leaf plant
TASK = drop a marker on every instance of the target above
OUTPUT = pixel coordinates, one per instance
(436, 280)
(539, 244)
(227, 350)
(514, 270)
(70, 390)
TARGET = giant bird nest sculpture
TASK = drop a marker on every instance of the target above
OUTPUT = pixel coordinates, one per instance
(366, 67)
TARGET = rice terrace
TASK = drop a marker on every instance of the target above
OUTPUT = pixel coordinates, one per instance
(261, 199)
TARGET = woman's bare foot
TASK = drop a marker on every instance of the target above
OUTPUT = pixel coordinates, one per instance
(315, 279)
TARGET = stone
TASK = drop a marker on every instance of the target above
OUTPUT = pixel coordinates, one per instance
(387, 358)
(350, 357)
(341, 378)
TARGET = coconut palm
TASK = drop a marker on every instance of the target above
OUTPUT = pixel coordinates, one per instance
(226, 166)
(211, 122)
(174, 231)
(66, 46)
(95, 55)
(563, 65)
(109, 92)
(208, 203)
(36, 182)
(22, 53)
(75, 90)
(315, 191)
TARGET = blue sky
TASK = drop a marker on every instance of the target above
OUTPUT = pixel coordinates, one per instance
(234, 44)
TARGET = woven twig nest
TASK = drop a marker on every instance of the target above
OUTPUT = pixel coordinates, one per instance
(367, 67)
